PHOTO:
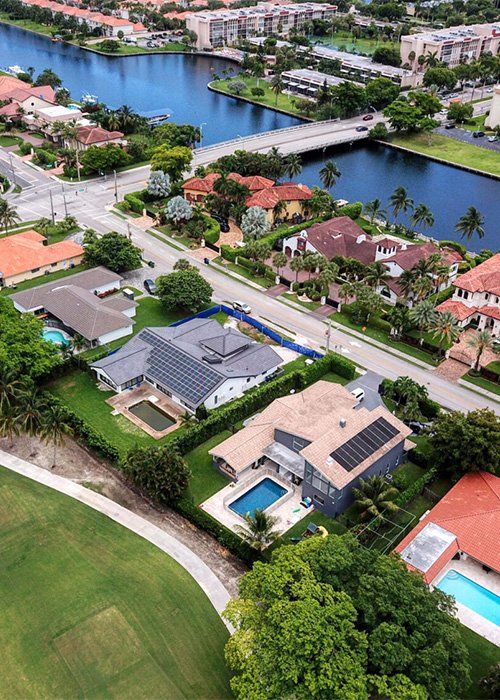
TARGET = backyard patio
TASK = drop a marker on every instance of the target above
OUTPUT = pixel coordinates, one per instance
(148, 409)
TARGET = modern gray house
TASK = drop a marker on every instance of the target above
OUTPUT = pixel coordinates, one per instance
(316, 440)
(198, 362)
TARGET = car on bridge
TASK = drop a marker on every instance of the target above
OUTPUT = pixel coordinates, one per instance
(361, 128)
(368, 117)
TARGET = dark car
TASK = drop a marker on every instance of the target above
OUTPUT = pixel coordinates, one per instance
(477, 134)
(224, 226)
(449, 126)
(361, 128)
(368, 117)
(150, 286)
(417, 426)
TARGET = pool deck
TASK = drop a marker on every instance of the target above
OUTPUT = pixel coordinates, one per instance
(491, 581)
(287, 510)
(120, 403)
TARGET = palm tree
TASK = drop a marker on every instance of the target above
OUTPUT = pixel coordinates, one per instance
(127, 117)
(442, 274)
(445, 328)
(31, 406)
(329, 174)
(54, 426)
(327, 276)
(423, 315)
(277, 86)
(374, 496)
(422, 286)
(376, 275)
(259, 532)
(406, 282)
(470, 223)
(8, 215)
(10, 389)
(422, 215)
(113, 121)
(480, 341)
(279, 261)
(297, 265)
(278, 209)
(293, 165)
(400, 201)
(398, 317)
(68, 131)
(9, 423)
(373, 209)
(347, 291)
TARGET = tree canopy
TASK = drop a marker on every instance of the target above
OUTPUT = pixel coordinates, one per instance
(328, 618)
(172, 161)
(160, 471)
(111, 250)
(185, 289)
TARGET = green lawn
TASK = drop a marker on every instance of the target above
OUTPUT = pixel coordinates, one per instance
(244, 272)
(28, 24)
(284, 102)
(130, 49)
(345, 41)
(334, 527)
(482, 656)
(483, 383)
(43, 279)
(206, 480)
(95, 611)
(7, 140)
(451, 150)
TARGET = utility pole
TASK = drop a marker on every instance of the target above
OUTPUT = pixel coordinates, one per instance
(116, 186)
(64, 200)
(52, 208)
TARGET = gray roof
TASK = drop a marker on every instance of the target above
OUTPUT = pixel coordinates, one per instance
(190, 360)
(426, 548)
(285, 457)
(89, 279)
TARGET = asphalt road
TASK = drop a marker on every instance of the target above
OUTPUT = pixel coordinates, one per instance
(90, 203)
(466, 137)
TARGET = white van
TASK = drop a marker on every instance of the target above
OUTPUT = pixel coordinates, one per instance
(358, 393)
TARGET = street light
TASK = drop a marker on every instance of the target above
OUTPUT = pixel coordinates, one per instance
(201, 133)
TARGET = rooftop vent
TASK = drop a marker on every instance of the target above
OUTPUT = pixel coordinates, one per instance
(342, 422)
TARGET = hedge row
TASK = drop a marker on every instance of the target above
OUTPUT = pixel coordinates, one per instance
(416, 488)
(134, 203)
(226, 416)
(225, 537)
(212, 232)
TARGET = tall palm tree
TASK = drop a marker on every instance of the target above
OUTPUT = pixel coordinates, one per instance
(472, 222)
(297, 265)
(259, 531)
(445, 329)
(31, 406)
(374, 496)
(422, 216)
(293, 165)
(11, 389)
(423, 315)
(127, 117)
(327, 276)
(347, 291)
(279, 261)
(398, 317)
(113, 121)
(68, 131)
(400, 201)
(480, 341)
(277, 86)
(376, 274)
(422, 287)
(9, 423)
(373, 210)
(442, 274)
(406, 282)
(8, 215)
(53, 427)
(329, 174)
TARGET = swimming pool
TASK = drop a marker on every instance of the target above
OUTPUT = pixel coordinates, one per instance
(260, 496)
(472, 595)
(152, 415)
(52, 335)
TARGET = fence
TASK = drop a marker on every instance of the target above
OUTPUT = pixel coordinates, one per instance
(301, 349)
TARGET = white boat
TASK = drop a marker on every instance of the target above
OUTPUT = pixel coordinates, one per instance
(89, 99)
(14, 70)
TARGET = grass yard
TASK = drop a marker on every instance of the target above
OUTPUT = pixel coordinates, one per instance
(94, 610)
(7, 140)
(309, 305)
(28, 24)
(206, 480)
(482, 656)
(450, 150)
(130, 49)
(285, 102)
(244, 272)
(334, 527)
(345, 41)
(483, 383)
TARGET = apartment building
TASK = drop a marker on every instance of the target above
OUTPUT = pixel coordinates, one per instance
(452, 46)
(107, 24)
(306, 82)
(228, 27)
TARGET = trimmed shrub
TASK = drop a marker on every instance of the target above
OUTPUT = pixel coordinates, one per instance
(134, 203)
(229, 253)
(212, 231)
(353, 210)
(416, 488)
(429, 408)
(459, 247)
(420, 458)
(25, 148)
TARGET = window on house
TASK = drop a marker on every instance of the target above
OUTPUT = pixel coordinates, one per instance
(35, 269)
(297, 444)
(319, 500)
(53, 264)
(215, 398)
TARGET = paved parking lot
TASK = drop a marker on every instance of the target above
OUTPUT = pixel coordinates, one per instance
(466, 137)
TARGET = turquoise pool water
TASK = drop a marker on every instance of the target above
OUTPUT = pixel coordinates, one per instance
(260, 496)
(472, 595)
(52, 335)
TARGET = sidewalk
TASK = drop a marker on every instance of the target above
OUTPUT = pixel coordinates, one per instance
(206, 579)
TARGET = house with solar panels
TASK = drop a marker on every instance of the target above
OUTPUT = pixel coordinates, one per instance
(321, 440)
(198, 362)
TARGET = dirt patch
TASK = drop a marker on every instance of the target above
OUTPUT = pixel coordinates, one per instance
(75, 463)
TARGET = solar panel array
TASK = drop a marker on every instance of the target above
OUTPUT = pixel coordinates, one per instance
(353, 452)
(178, 372)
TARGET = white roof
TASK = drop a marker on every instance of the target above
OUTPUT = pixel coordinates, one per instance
(58, 111)
(426, 548)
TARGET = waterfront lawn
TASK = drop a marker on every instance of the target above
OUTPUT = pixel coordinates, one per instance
(29, 24)
(43, 279)
(95, 610)
(345, 41)
(451, 150)
(130, 49)
(285, 102)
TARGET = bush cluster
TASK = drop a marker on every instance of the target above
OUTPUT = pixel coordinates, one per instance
(352, 210)
(428, 407)
(416, 488)
(134, 203)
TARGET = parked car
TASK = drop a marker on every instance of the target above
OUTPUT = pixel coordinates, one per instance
(223, 223)
(361, 128)
(477, 134)
(368, 117)
(492, 139)
(358, 393)
(242, 307)
(449, 126)
(418, 426)
(150, 286)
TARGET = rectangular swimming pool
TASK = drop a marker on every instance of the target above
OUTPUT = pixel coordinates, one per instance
(472, 595)
(259, 497)
(152, 415)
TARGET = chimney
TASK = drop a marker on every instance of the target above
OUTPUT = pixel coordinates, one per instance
(342, 422)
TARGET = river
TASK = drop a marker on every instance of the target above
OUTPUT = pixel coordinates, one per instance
(178, 82)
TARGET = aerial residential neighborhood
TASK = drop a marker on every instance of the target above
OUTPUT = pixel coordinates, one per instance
(250, 349)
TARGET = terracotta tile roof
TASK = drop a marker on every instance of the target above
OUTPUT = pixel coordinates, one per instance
(25, 251)
(10, 109)
(206, 184)
(483, 278)
(89, 135)
(340, 236)
(255, 183)
(388, 243)
(471, 511)
(201, 184)
(19, 93)
(491, 311)
(407, 259)
(268, 198)
(8, 82)
(299, 415)
(457, 308)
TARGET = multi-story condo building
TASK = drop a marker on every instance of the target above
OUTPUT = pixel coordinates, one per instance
(306, 82)
(228, 27)
(452, 46)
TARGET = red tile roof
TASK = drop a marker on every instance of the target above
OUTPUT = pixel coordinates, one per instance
(407, 259)
(206, 184)
(255, 183)
(201, 184)
(25, 251)
(471, 511)
(268, 198)
(89, 135)
(483, 278)
(10, 109)
(457, 308)
(339, 236)
(491, 311)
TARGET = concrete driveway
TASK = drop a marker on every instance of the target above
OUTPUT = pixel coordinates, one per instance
(369, 382)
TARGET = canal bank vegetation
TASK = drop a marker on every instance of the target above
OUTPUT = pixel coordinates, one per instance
(112, 47)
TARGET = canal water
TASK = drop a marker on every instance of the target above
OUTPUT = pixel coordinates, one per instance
(178, 82)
